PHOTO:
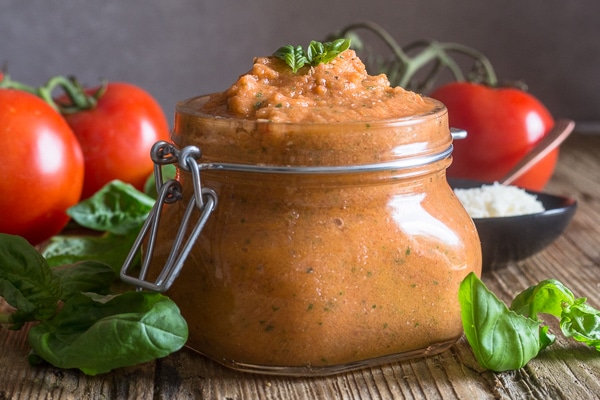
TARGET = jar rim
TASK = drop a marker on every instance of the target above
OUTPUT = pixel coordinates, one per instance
(288, 146)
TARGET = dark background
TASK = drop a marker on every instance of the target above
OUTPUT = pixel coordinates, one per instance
(177, 49)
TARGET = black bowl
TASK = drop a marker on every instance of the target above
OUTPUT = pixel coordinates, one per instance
(508, 239)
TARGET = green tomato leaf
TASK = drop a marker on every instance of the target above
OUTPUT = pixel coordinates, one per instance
(26, 281)
(547, 297)
(501, 339)
(108, 249)
(117, 208)
(99, 335)
(581, 322)
(84, 276)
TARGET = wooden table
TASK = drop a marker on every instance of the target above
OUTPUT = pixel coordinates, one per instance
(567, 370)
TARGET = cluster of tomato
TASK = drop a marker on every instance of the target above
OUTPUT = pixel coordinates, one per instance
(53, 159)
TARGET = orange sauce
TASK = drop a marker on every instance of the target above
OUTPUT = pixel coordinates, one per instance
(341, 90)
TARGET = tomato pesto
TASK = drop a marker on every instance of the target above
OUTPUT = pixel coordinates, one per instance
(347, 248)
(340, 90)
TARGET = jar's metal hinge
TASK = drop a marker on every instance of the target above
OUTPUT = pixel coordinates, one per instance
(204, 200)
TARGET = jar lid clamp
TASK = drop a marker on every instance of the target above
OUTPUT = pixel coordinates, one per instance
(205, 200)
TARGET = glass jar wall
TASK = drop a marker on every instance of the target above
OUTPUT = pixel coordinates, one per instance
(344, 248)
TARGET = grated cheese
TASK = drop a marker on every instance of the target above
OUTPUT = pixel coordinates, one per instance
(497, 200)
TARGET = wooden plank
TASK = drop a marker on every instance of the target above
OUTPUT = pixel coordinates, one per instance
(20, 380)
(187, 375)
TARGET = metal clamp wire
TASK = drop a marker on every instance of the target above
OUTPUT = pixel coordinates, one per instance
(179, 254)
(204, 199)
(170, 189)
(404, 163)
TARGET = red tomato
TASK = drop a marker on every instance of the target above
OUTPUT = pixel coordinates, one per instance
(502, 125)
(116, 136)
(41, 173)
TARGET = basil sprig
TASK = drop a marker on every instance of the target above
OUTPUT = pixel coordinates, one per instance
(504, 338)
(316, 53)
(81, 321)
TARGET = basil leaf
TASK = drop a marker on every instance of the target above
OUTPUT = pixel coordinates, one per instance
(328, 51)
(316, 53)
(84, 276)
(117, 208)
(99, 335)
(501, 339)
(109, 249)
(546, 297)
(26, 281)
(294, 57)
(546, 338)
(581, 322)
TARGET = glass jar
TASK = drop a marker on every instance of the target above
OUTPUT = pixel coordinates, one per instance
(331, 247)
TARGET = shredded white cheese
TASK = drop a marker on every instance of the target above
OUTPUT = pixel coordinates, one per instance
(497, 200)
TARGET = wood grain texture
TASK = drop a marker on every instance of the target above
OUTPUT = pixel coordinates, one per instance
(566, 370)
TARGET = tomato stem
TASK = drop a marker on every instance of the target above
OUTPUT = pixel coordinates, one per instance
(8, 83)
(403, 69)
(78, 98)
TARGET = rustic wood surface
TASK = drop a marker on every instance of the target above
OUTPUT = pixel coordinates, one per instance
(567, 370)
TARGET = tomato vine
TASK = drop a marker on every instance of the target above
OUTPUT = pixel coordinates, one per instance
(406, 63)
(79, 99)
